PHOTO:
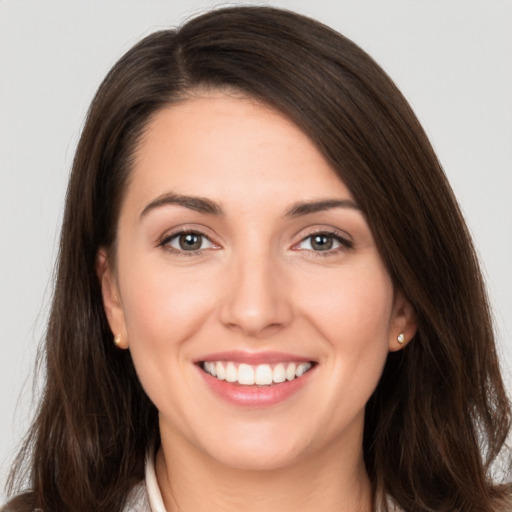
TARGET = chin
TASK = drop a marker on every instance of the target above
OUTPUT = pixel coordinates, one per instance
(256, 450)
(264, 460)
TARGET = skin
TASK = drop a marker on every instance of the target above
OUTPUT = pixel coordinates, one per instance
(257, 285)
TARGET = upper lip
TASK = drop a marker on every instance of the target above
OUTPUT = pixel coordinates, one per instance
(254, 358)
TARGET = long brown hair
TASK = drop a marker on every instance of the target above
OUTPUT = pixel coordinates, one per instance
(439, 416)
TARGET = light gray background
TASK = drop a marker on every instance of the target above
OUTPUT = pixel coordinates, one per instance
(451, 58)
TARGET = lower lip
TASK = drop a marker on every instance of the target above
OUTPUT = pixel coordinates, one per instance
(255, 396)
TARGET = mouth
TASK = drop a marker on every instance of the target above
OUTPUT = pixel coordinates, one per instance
(259, 375)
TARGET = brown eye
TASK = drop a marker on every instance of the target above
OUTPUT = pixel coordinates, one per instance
(189, 241)
(322, 242)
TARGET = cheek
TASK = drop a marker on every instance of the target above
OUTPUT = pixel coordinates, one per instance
(353, 301)
(162, 304)
(163, 308)
(352, 310)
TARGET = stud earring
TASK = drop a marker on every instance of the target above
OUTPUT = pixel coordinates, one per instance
(401, 338)
(117, 340)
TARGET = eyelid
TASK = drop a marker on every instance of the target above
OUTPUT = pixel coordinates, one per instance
(163, 241)
(343, 238)
(176, 237)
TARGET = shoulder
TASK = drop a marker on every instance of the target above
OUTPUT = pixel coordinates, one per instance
(22, 503)
(137, 500)
(385, 503)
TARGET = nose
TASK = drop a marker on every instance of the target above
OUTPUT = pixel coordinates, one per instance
(256, 301)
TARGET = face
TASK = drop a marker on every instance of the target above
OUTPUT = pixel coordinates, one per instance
(248, 287)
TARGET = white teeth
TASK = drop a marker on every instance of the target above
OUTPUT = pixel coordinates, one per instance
(290, 371)
(245, 375)
(279, 373)
(221, 373)
(231, 373)
(260, 375)
(302, 369)
(263, 375)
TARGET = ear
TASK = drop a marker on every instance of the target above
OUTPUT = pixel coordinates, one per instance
(403, 321)
(111, 299)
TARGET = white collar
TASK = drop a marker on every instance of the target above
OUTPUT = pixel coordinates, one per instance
(156, 502)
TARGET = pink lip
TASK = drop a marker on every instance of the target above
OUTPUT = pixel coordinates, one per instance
(255, 396)
(254, 357)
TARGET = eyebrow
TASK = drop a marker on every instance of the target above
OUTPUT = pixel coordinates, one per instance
(207, 206)
(198, 204)
(305, 208)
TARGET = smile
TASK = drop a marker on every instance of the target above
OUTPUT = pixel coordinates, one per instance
(259, 375)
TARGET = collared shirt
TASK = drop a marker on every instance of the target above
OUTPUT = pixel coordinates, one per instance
(146, 496)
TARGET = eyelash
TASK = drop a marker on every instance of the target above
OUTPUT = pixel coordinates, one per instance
(345, 244)
(166, 240)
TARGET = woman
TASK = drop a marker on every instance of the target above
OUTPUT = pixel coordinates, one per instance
(266, 294)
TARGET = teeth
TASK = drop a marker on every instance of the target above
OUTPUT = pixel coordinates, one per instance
(245, 375)
(263, 375)
(290, 371)
(219, 369)
(302, 369)
(231, 373)
(279, 373)
(260, 375)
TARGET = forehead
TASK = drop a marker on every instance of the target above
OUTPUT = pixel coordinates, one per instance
(229, 147)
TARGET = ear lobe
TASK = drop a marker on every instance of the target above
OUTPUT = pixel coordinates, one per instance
(403, 324)
(111, 299)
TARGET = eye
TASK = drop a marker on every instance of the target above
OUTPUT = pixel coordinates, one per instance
(324, 242)
(187, 241)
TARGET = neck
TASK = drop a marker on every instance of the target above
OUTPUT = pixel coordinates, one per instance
(191, 481)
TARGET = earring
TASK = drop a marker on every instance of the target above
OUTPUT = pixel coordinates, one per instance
(401, 338)
(117, 340)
